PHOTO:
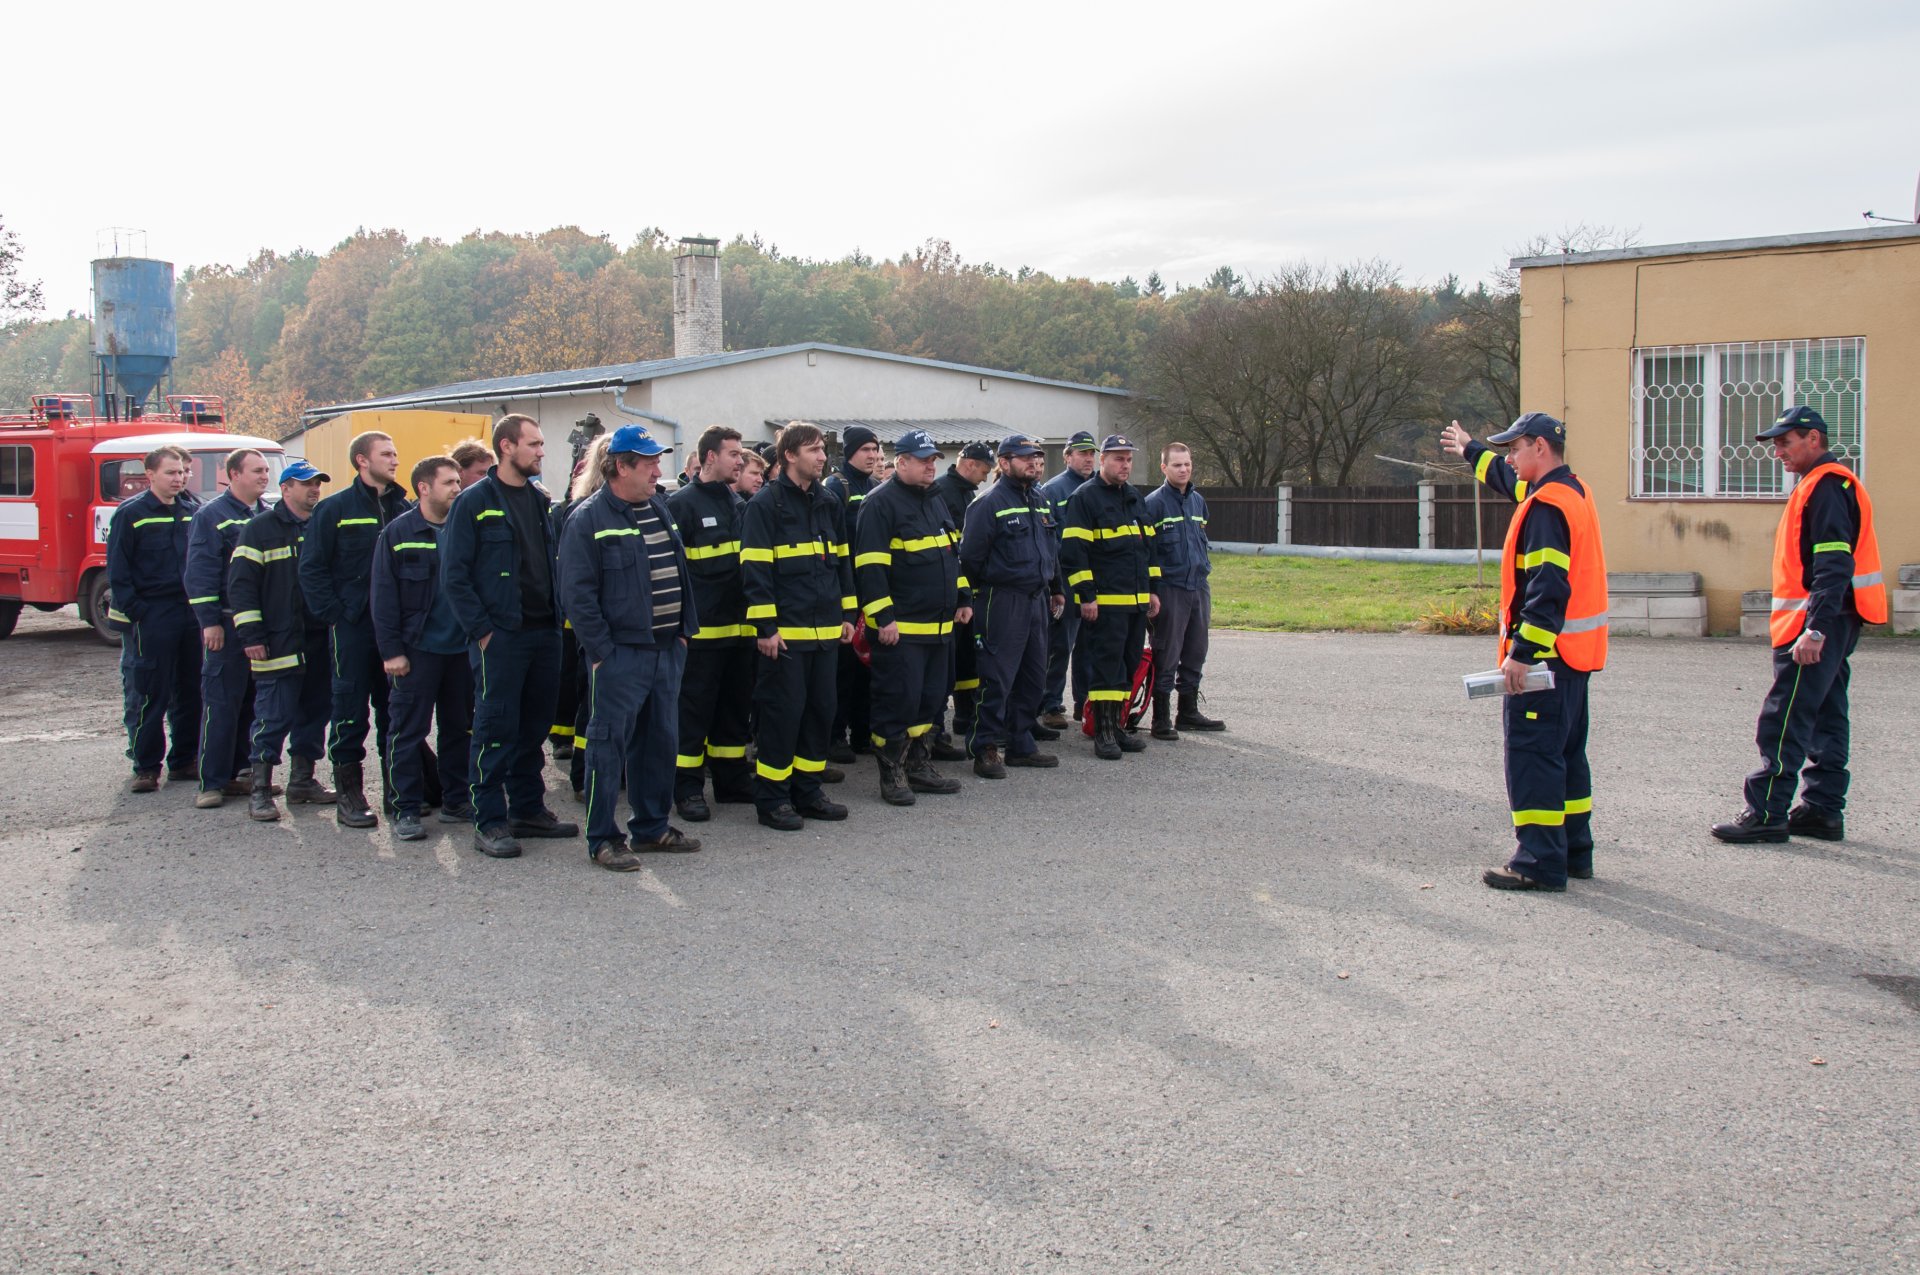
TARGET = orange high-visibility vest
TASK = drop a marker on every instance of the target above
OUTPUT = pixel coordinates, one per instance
(1790, 594)
(1582, 640)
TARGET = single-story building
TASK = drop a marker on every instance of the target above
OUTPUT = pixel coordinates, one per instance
(1664, 361)
(757, 391)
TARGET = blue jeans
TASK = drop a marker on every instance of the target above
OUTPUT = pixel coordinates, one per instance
(635, 727)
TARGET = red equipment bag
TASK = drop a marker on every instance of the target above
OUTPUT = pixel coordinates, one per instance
(1138, 700)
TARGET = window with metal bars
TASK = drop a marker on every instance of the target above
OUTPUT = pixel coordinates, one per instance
(1696, 409)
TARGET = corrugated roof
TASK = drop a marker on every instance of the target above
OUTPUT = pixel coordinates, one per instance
(1858, 234)
(969, 430)
(497, 388)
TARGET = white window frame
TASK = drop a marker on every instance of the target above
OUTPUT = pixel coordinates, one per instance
(1710, 424)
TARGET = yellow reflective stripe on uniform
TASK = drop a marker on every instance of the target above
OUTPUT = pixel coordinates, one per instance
(1077, 533)
(1012, 509)
(727, 751)
(490, 513)
(1097, 697)
(776, 774)
(967, 684)
(878, 558)
(1580, 806)
(358, 522)
(810, 549)
(249, 617)
(1153, 573)
(1121, 599)
(1540, 637)
(1520, 489)
(1833, 546)
(848, 602)
(964, 584)
(278, 555)
(415, 544)
(925, 628)
(809, 765)
(711, 632)
(1481, 466)
(756, 555)
(1528, 561)
(147, 521)
(231, 522)
(840, 550)
(1114, 533)
(805, 633)
(274, 666)
(689, 761)
(1079, 577)
(194, 602)
(616, 531)
(1545, 818)
(876, 606)
(916, 731)
(762, 611)
(117, 617)
(920, 544)
(714, 551)
(248, 552)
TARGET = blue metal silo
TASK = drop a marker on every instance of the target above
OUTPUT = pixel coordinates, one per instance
(134, 340)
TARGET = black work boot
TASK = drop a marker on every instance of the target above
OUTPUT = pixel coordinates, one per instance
(989, 765)
(921, 776)
(1106, 744)
(1191, 718)
(1822, 825)
(891, 757)
(260, 802)
(1163, 717)
(1751, 826)
(350, 803)
(303, 789)
(1129, 739)
(944, 749)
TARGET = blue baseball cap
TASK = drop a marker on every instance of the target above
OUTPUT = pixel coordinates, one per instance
(918, 443)
(633, 440)
(301, 471)
(1019, 445)
(1117, 443)
(1082, 441)
(1532, 425)
(1795, 418)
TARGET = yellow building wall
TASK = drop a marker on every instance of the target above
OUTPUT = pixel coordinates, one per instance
(1579, 325)
(417, 435)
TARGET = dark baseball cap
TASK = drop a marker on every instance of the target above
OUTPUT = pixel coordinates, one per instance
(917, 442)
(1795, 418)
(1019, 445)
(301, 471)
(977, 451)
(1117, 443)
(1082, 441)
(1532, 425)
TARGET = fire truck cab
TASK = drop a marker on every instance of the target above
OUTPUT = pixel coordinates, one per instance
(62, 471)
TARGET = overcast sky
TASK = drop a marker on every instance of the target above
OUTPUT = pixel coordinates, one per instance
(1085, 140)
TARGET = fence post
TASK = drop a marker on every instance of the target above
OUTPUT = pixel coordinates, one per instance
(1283, 520)
(1425, 520)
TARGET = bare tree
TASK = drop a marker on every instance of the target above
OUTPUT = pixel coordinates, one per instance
(19, 299)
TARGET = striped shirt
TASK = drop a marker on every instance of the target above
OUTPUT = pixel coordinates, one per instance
(663, 570)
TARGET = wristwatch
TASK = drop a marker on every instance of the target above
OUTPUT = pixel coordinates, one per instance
(1816, 635)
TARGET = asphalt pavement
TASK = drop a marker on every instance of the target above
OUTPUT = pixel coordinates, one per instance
(1238, 1003)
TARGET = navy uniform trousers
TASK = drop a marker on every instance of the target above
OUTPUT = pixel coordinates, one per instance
(1804, 722)
(1010, 630)
(1065, 649)
(436, 688)
(358, 678)
(1549, 786)
(965, 683)
(515, 683)
(291, 707)
(160, 672)
(793, 699)
(226, 713)
(634, 727)
(909, 687)
(716, 701)
(1113, 643)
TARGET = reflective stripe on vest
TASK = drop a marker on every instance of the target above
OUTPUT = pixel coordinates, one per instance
(1582, 640)
(1790, 593)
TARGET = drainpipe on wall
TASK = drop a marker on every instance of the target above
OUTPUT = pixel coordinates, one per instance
(620, 405)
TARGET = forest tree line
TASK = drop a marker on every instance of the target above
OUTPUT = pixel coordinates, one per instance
(1300, 376)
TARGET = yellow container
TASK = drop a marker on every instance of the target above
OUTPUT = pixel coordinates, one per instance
(418, 435)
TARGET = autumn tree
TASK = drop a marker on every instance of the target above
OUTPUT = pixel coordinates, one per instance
(324, 345)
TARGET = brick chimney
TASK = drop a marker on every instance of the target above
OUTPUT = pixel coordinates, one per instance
(696, 299)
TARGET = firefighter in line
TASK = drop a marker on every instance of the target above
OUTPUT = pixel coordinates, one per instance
(226, 682)
(159, 641)
(716, 692)
(1079, 457)
(849, 485)
(624, 584)
(1009, 554)
(800, 602)
(474, 460)
(1553, 611)
(1827, 582)
(570, 709)
(497, 569)
(957, 487)
(335, 568)
(423, 650)
(1179, 517)
(285, 644)
(753, 474)
(913, 593)
(1107, 555)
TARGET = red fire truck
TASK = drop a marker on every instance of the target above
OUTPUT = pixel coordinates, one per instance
(63, 469)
